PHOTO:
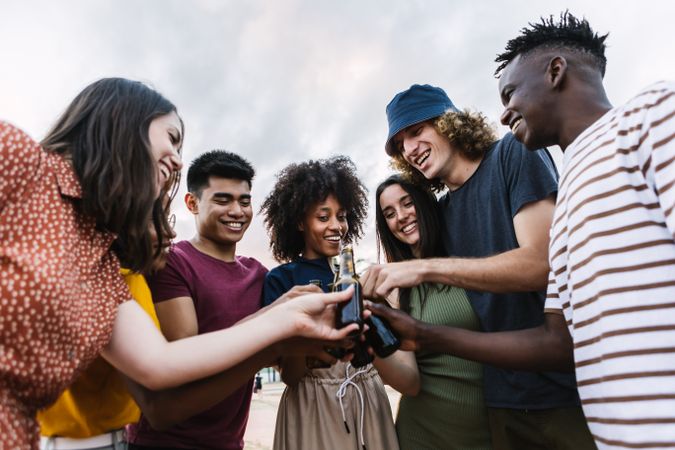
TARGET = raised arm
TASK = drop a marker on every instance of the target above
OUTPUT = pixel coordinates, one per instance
(168, 407)
(548, 347)
(522, 269)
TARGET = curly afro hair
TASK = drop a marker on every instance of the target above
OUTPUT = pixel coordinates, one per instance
(301, 186)
(469, 131)
(570, 32)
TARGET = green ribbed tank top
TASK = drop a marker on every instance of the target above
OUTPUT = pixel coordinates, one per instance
(449, 412)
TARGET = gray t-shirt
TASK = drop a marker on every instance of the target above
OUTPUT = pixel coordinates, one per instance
(478, 222)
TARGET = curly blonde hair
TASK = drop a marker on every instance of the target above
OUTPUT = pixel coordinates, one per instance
(469, 131)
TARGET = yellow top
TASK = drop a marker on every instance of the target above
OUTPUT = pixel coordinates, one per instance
(98, 401)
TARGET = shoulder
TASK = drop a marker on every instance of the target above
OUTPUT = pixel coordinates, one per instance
(277, 282)
(283, 271)
(13, 139)
(180, 253)
(179, 264)
(658, 92)
(655, 100)
(252, 264)
(19, 154)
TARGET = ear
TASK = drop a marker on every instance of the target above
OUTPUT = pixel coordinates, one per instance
(192, 203)
(301, 226)
(556, 71)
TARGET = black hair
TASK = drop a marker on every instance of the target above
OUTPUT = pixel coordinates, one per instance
(217, 163)
(104, 132)
(570, 32)
(301, 186)
(428, 224)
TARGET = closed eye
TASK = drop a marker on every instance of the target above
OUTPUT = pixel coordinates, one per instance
(506, 95)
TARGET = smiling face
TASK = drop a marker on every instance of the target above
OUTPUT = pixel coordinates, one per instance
(400, 214)
(529, 104)
(223, 211)
(164, 134)
(426, 150)
(322, 228)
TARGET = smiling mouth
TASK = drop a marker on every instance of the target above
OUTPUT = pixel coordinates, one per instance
(423, 157)
(234, 225)
(335, 239)
(408, 228)
(515, 124)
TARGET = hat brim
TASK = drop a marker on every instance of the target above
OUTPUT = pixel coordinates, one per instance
(423, 116)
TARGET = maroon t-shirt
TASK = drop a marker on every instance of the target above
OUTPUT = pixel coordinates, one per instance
(223, 293)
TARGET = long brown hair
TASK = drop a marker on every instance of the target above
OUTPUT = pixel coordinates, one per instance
(428, 222)
(104, 133)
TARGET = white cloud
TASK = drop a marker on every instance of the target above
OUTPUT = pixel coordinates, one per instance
(281, 81)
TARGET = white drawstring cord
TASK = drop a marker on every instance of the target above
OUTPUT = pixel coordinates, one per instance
(342, 391)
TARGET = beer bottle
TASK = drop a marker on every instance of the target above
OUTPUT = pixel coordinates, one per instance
(351, 311)
(381, 337)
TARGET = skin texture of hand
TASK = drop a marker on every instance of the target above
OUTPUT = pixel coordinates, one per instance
(405, 326)
(295, 351)
(380, 280)
(314, 315)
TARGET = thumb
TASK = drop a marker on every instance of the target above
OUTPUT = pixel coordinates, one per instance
(377, 309)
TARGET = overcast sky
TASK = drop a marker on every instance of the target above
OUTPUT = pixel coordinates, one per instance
(280, 81)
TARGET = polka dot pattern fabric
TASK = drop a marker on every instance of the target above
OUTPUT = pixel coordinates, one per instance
(60, 284)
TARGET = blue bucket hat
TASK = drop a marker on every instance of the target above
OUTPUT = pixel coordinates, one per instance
(418, 103)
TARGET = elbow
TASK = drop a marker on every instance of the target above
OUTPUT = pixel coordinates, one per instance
(536, 275)
(540, 277)
(155, 411)
(290, 380)
(153, 375)
(565, 357)
(560, 347)
(411, 390)
(409, 387)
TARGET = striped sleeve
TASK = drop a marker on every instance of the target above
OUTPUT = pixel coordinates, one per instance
(661, 168)
(553, 302)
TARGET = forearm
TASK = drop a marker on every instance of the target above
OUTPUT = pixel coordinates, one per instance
(139, 351)
(166, 408)
(535, 349)
(518, 270)
(292, 369)
(400, 371)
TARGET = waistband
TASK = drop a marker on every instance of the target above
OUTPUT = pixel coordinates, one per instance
(101, 440)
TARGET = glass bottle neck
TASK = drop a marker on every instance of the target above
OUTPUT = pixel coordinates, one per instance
(347, 263)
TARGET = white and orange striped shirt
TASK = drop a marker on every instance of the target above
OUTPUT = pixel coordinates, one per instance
(612, 257)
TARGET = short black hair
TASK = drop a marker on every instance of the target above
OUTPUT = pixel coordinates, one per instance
(217, 163)
(570, 32)
(298, 188)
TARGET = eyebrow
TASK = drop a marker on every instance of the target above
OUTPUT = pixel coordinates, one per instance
(228, 196)
(328, 209)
